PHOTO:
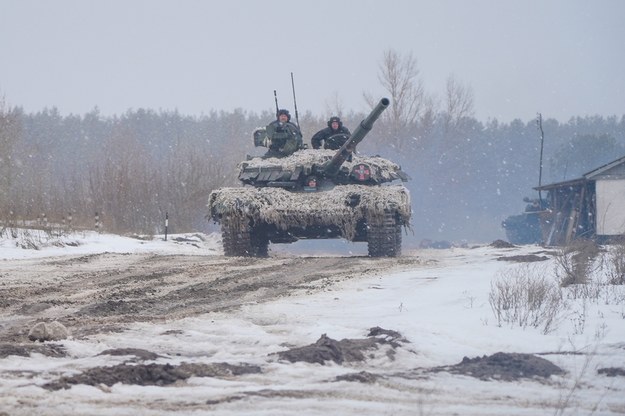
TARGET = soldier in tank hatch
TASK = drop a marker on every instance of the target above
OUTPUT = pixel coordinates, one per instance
(285, 137)
(333, 136)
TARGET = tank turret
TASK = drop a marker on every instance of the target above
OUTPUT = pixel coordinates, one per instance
(315, 194)
(313, 169)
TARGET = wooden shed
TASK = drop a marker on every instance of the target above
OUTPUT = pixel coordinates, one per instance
(592, 206)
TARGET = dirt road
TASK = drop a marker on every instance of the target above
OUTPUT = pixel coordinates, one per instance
(95, 293)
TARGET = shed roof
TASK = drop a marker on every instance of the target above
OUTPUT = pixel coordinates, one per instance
(588, 176)
(603, 169)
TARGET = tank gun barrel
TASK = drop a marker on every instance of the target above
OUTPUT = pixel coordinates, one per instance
(365, 126)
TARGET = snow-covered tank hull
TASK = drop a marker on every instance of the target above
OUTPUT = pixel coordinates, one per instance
(252, 217)
(315, 194)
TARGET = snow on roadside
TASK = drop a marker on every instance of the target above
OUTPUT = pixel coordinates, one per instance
(38, 243)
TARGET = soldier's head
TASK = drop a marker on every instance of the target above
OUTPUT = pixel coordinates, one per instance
(283, 115)
(335, 123)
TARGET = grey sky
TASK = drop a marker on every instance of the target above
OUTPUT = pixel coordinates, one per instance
(562, 57)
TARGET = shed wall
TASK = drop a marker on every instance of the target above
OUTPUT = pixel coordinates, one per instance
(610, 203)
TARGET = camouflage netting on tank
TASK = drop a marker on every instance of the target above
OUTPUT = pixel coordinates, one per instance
(309, 157)
(344, 206)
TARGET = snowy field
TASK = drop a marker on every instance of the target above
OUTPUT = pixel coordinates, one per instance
(431, 317)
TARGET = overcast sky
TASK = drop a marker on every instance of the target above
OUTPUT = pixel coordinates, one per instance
(560, 57)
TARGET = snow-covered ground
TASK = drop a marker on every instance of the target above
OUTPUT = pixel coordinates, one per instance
(441, 309)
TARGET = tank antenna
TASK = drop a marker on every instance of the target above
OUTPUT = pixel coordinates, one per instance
(294, 100)
(275, 97)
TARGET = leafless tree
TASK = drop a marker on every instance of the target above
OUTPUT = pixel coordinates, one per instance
(459, 103)
(191, 174)
(411, 105)
(124, 184)
(453, 152)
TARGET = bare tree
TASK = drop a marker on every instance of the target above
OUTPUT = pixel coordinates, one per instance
(459, 103)
(126, 184)
(192, 173)
(399, 75)
(454, 149)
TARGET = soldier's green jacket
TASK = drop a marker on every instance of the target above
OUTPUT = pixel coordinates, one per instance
(286, 138)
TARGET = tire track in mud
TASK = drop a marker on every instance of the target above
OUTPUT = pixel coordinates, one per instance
(104, 292)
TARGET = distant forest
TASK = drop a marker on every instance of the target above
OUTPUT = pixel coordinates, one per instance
(135, 168)
(132, 169)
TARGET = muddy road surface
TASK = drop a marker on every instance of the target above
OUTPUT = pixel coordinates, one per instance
(104, 292)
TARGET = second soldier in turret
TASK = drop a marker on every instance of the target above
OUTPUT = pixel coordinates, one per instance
(333, 136)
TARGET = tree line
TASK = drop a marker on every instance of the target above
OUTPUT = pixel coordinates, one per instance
(132, 169)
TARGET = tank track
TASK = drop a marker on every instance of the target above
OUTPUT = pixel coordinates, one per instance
(384, 238)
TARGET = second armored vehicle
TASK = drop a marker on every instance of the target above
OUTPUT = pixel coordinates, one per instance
(525, 228)
(315, 194)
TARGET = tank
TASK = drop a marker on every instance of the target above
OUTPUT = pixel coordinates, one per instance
(315, 194)
(525, 228)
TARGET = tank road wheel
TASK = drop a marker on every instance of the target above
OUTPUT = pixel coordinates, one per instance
(241, 239)
(384, 237)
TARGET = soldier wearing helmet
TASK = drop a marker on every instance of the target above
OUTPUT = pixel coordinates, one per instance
(285, 137)
(333, 136)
